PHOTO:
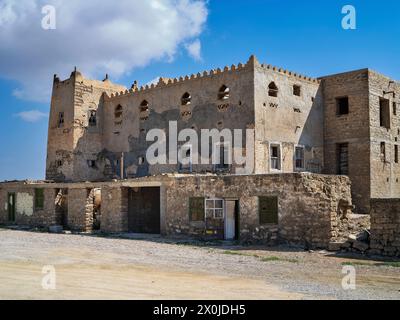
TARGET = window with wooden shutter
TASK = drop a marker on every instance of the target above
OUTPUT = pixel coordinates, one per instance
(268, 210)
(196, 209)
(39, 198)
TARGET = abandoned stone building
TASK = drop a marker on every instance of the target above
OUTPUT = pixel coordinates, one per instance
(321, 149)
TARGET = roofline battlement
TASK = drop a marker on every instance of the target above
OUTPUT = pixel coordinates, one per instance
(166, 82)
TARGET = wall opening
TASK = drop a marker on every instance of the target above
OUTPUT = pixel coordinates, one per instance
(343, 158)
(224, 93)
(92, 118)
(61, 207)
(396, 153)
(297, 90)
(272, 90)
(384, 113)
(342, 106)
(97, 209)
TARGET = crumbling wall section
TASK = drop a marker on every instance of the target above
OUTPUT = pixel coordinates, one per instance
(80, 209)
(385, 227)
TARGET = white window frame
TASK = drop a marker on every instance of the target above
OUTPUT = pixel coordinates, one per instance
(304, 157)
(275, 144)
(214, 208)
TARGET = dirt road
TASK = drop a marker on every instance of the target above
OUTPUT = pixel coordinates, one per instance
(88, 267)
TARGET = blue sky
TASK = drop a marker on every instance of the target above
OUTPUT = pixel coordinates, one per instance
(303, 36)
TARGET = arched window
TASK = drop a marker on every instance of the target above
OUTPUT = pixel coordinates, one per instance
(92, 118)
(223, 93)
(186, 99)
(144, 106)
(272, 90)
(118, 112)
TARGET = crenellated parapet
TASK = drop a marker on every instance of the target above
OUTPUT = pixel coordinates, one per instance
(250, 64)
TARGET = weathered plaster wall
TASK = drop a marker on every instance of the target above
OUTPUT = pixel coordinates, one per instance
(288, 119)
(80, 209)
(114, 209)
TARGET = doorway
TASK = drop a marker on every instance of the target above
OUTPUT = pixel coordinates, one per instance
(144, 210)
(11, 207)
(231, 219)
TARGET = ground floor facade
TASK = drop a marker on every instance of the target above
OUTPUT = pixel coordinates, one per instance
(298, 208)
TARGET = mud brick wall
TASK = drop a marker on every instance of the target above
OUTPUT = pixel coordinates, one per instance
(309, 205)
(114, 209)
(385, 227)
(80, 209)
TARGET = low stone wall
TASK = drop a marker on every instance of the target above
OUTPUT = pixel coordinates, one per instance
(385, 227)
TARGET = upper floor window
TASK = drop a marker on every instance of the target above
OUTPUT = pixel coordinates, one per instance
(297, 90)
(186, 99)
(60, 121)
(272, 90)
(275, 156)
(342, 106)
(92, 118)
(118, 112)
(299, 157)
(144, 110)
(223, 93)
(394, 108)
(384, 113)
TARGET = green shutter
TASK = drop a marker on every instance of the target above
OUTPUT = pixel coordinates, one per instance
(39, 198)
(196, 209)
(268, 210)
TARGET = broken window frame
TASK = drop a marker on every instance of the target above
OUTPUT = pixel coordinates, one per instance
(275, 159)
(302, 159)
(342, 106)
(214, 210)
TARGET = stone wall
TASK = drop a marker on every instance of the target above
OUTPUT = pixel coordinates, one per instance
(114, 209)
(351, 128)
(80, 209)
(26, 213)
(385, 171)
(309, 205)
(385, 227)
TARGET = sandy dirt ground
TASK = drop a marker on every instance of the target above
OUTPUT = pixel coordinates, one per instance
(89, 267)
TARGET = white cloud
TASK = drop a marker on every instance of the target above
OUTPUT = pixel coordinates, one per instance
(194, 49)
(97, 36)
(31, 116)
